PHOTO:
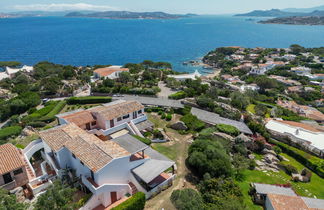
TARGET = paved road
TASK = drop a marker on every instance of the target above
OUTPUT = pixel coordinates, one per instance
(165, 91)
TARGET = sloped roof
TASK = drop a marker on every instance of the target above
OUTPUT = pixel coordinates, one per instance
(212, 118)
(79, 118)
(109, 70)
(92, 151)
(314, 203)
(285, 202)
(273, 189)
(113, 111)
(10, 158)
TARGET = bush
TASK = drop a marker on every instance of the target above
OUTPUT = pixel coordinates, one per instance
(192, 122)
(228, 129)
(163, 116)
(187, 199)
(89, 100)
(37, 124)
(144, 140)
(51, 115)
(290, 169)
(41, 112)
(8, 132)
(277, 150)
(168, 117)
(313, 163)
(178, 95)
(136, 202)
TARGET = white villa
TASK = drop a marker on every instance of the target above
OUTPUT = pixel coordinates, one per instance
(183, 77)
(111, 72)
(11, 72)
(95, 146)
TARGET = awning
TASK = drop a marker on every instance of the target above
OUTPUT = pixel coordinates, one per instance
(151, 169)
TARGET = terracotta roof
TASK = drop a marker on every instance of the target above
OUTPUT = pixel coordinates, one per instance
(109, 70)
(117, 110)
(92, 151)
(79, 118)
(10, 158)
(285, 202)
(300, 125)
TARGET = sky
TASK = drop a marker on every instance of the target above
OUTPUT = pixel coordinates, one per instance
(171, 6)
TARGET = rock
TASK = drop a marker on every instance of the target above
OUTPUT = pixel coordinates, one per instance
(179, 126)
(251, 156)
(267, 151)
(270, 158)
(259, 163)
(223, 135)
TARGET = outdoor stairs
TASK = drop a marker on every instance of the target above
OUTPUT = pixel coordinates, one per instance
(29, 171)
(134, 189)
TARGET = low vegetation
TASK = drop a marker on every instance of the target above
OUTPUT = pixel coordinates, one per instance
(136, 202)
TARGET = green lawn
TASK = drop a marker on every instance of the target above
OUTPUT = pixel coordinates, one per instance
(250, 108)
(168, 150)
(311, 189)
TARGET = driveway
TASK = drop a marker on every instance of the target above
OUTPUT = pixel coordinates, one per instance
(165, 91)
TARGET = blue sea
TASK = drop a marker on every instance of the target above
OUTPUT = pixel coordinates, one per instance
(87, 41)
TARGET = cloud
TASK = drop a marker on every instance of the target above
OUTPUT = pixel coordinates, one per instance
(63, 7)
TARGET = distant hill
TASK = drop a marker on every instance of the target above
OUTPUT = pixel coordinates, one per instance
(128, 15)
(296, 20)
(305, 10)
(270, 13)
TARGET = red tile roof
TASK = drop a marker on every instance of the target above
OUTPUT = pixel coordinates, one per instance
(103, 72)
(10, 158)
(285, 202)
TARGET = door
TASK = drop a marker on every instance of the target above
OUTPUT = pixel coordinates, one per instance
(134, 115)
(112, 124)
(113, 196)
(88, 126)
(7, 178)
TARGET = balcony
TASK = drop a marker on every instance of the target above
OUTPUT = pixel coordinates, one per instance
(9, 186)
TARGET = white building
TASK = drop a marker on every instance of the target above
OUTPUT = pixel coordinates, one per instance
(112, 167)
(11, 72)
(111, 72)
(183, 77)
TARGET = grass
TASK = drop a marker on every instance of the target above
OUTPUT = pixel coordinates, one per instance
(168, 150)
(250, 108)
(311, 189)
(23, 142)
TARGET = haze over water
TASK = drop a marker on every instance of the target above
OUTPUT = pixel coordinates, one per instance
(82, 41)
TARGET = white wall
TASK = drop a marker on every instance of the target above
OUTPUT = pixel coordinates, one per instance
(116, 123)
(268, 205)
(117, 171)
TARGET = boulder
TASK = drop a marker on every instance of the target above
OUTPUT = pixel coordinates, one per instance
(179, 126)
(223, 135)
(270, 158)
(251, 156)
(267, 151)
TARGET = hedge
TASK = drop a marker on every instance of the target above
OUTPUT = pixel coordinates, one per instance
(313, 163)
(144, 140)
(42, 112)
(192, 122)
(178, 95)
(8, 132)
(51, 115)
(136, 202)
(228, 129)
(89, 100)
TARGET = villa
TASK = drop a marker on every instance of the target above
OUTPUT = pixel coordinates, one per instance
(97, 148)
(307, 136)
(183, 77)
(111, 72)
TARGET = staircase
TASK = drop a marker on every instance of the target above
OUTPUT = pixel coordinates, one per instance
(134, 189)
(134, 129)
(29, 171)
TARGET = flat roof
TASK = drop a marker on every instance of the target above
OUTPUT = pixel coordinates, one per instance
(273, 189)
(130, 143)
(214, 119)
(152, 101)
(151, 169)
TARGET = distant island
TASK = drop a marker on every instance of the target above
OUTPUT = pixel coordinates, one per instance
(270, 13)
(128, 15)
(303, 20)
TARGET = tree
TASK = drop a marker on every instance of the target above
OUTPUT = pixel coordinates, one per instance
(57, 197)
(239, 101)
(209, 156)
(187, 199)
(109, 83)
(9, 202)
(125, 77)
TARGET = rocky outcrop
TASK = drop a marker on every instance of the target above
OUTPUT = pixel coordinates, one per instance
(179, 126)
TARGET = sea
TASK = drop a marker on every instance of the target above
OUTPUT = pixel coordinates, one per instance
(90, 41)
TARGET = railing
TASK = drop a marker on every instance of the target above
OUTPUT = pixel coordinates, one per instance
(123, 188)
(41, 183)
(114, 129)
(9, 186)
(141, 118)
(164, 185)
(31, 145)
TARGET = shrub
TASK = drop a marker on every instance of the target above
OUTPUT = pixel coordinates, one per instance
(8, 132)
(187, 199)
(136, 202)
(290, 169)
(178, 95)
(168, 117)
(51, 115)
(41, 112)
(20, 146)
(306, 173)
(192, 122)
(144, 140)
(160, 113)
(89, 100)
(277, 149)
(228, 129)
(37, 124)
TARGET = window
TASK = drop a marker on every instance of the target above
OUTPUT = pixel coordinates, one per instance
(81, 162)
(18, 171)
(139, 112)
(126, 116)
(73, 155)
(94, 123)
(119, 119)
